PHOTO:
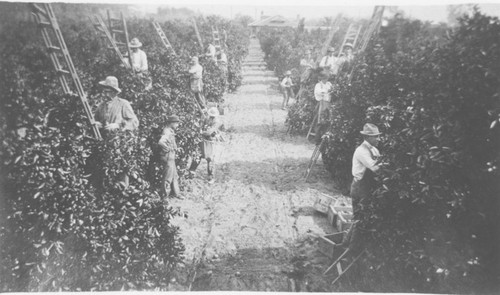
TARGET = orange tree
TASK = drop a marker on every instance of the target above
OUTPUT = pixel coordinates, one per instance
(431, 225)
(61, 227)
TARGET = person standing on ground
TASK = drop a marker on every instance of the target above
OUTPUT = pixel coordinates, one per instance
(115, 114)
(322, 92)
(196, 81)
(365, 163)
(286, 85)
(223, 65)
(329, 62)
(211, 133)
(168, 148)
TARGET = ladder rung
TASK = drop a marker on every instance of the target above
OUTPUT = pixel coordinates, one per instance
(118, 31)
(54, 48)
(39, 9)
(61, 71)
(45, 24)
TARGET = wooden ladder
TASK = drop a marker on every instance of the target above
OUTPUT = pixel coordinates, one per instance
(314, 158)
(103, 31)
(313, 123)
(47, 23)
(345, 258)
(118, 28)
(351, 36)
(163, 37)
(198, 36)
(216, 39)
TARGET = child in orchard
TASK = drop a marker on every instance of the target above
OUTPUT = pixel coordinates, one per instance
(211, 134)
(286, 84)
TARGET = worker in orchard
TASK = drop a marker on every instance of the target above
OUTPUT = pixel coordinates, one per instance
(286, 85)
(211, 52)
(223, 65)
(138, 57)
(307, 65)
(115, 114)
(211, 133)
(329, 62)
(365, 163)
(346, 57)
(168, 149)
(322, 92)
(196, 81)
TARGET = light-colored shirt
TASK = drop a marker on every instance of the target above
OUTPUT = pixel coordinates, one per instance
(365, 156)
(196, 71)
(222, 59)
(167, 141)
(211, 52)
(321, 91)
(307, 63)
(139, 60)
(286, 82)
(119, 111)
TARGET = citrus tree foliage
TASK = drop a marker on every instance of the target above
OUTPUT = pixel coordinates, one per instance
(432, 225)
(64, 222)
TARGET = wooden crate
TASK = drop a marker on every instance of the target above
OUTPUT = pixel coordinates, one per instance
(322, 203)
(223, 111)
(328, 244)
(344, 220)
(332, 215)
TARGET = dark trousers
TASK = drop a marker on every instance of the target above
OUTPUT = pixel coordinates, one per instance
(170, 178)
(196, 162)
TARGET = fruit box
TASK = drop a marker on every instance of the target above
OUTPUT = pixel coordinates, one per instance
(322, 202)
(328, 244)
(344, 220)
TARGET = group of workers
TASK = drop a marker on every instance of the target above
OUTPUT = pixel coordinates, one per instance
(329, 65)
(115, 113)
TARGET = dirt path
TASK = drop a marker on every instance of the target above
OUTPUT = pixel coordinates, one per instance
(247, 231)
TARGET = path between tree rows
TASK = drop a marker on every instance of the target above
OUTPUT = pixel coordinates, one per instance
(253, 229)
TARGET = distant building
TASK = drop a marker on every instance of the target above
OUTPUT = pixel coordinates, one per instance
(276, 21)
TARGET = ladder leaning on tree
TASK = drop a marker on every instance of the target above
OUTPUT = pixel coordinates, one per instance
(103, 31)
(47, 22)
(163, 37)
(216, 39)
(118, 27)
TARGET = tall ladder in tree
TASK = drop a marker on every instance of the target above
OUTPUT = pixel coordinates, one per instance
(216, 39)
(119, 32)
(346, 258)
(198, 36)
(103, 32)
(372, 30)
(163, 37)
(47, 22)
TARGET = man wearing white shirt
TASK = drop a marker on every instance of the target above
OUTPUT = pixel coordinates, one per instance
(211, 52)
(364, 165)
(139, 58)
(286, 84)
(322, 92)
(196, 81)
(330, 62)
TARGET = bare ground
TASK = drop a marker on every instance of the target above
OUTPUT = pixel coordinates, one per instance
(254, 229)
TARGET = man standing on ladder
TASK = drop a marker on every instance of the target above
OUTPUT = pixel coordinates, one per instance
(196, 82)
(307, 65)
(322, 92)
(139, 61)
(365, 163)
(329, 62)
(211, 52)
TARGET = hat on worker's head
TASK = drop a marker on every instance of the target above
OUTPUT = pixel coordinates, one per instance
(331, 49)
(288, 73)
(348, 45)
(111, 82)
(173, 119)
(213, 112)
(194, 59)
(370, 130)
(308, 50)
(135, 43)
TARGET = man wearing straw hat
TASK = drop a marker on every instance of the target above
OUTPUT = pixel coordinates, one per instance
(139, 58)
(211, 134)
(115, 114)
(346, 57)
(322, 92)
(168, 148)
(196, 81)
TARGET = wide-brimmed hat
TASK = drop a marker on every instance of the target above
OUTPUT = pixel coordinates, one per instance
(135, 43)
(213, 112)
(348, 45)
(173, 119)
(288, 73)
(193, 59)
(111, 82)
(331, 49)
(370, 130)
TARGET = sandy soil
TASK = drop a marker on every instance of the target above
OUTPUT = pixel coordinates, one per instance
(254, 229)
